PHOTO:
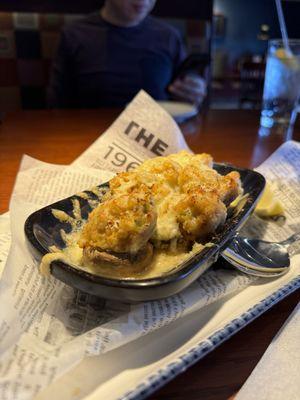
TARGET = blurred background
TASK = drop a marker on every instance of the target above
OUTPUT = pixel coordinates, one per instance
(230, 37)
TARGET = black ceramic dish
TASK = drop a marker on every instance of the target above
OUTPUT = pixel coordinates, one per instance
(42, 230)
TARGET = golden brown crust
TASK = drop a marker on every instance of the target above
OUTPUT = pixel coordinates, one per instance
(230, 187)
(204, 178)
(199, 214)
(175, 199)
(184, 158)
(121, 224)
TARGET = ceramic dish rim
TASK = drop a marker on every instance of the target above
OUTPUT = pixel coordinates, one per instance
(183, 270)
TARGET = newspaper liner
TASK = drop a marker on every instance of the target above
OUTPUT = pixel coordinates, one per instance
(47, 327)
(280, 365)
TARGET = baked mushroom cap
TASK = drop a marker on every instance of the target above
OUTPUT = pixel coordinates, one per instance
(123, 224)
(133, 263)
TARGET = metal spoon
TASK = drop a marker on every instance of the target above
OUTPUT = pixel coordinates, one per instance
(261, 258)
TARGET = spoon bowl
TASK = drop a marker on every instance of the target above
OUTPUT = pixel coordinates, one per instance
(259, 257)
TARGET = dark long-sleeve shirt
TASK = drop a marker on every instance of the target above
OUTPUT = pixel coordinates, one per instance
(100, 64)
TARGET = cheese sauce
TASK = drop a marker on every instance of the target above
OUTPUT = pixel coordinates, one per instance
(179, 212)
(162, 263)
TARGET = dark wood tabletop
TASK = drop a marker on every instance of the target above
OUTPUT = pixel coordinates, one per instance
(229, 135)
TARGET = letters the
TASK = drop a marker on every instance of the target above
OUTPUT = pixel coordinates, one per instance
(159, 147)
(146, 138)
(131, 125)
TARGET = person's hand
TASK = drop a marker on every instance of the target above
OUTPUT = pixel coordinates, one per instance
(192, 88)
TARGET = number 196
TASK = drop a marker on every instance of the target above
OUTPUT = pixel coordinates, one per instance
(119, 159)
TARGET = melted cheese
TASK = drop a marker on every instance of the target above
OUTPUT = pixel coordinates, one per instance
(185, 198)
(163, 262)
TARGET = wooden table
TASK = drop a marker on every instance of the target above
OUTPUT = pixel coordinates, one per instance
(232, 136)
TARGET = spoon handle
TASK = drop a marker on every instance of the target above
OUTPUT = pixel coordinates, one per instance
(294, 238)
(252, 271)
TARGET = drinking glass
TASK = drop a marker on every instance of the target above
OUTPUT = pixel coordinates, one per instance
(282, 83)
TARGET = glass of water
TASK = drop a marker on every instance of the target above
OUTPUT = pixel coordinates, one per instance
(282, 84)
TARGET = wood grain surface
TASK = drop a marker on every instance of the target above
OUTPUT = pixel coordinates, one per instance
(229, 135)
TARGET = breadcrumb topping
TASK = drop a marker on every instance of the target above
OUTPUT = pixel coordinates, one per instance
(174, 201)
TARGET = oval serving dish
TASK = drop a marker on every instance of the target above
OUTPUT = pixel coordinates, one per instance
(42, 231)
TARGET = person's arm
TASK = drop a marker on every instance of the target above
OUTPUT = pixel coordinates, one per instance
(60, 93)
(192, 87)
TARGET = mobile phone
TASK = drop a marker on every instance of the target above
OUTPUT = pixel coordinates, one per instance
(193, 64)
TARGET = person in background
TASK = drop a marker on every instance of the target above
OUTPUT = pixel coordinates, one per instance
(105, 58)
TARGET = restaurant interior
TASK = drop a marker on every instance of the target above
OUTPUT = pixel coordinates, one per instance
(228, 74)
(230, 38)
